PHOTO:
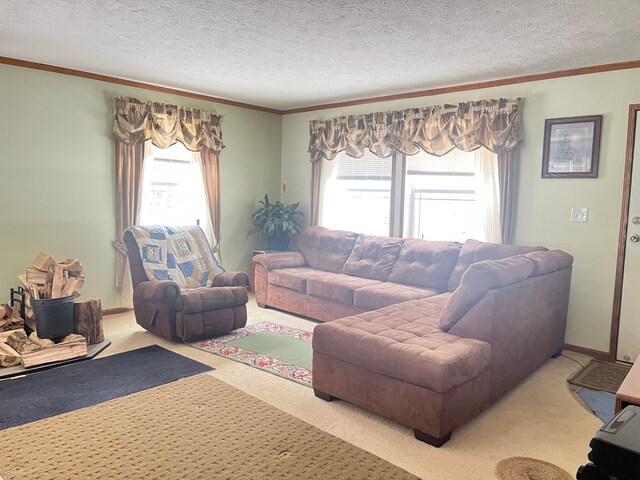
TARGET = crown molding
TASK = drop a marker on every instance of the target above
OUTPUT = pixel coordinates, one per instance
(347, 103)
(471, 86)
(131, 83)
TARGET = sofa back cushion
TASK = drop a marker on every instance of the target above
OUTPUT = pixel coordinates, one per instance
(426, 264)
(477, 280)
(373, 257)
(475, 251)
(325, 249)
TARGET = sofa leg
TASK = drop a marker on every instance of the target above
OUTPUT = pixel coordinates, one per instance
(324, 396)
(431, 440)
(557, 354)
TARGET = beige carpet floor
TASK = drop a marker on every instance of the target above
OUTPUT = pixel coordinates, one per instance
(207, 430)
(539, 419)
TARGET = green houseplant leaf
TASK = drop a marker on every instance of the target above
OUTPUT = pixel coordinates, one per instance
(276, 220)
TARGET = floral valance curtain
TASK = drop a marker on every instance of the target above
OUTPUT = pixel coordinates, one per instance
(164, 124)
(493, 124)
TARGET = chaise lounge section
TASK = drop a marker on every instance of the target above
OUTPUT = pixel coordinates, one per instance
(459, 327)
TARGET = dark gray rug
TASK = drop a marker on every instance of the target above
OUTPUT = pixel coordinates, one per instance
(70, 387)
(598, 375)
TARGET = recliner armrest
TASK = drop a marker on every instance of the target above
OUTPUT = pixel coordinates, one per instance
(274, 261)
(157, 290)
(231, 279)
(154, 305)
(211, 298)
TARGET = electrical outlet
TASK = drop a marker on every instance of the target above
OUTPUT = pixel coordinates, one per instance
(580, 215)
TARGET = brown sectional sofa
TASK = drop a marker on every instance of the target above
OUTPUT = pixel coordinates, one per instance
(425, 333)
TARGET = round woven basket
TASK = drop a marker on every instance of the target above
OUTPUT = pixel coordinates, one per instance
(521, 468)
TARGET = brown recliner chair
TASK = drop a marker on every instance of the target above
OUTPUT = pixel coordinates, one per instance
(173, 294)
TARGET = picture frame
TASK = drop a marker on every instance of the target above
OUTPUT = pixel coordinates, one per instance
(571, 147)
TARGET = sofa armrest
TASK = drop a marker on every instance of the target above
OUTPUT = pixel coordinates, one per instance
(549, 261)
(231, 279)
(273, 261)
(477, 280)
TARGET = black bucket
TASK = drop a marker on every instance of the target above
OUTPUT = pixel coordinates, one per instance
(53, 316)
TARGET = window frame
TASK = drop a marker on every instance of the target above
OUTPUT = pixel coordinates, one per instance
(397, 203)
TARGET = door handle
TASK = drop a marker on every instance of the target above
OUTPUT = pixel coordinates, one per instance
(635, 238)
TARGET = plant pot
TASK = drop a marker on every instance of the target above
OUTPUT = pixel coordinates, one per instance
(278, 241)
(54, 317)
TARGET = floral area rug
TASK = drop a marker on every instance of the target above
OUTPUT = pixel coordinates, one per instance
(280, 350)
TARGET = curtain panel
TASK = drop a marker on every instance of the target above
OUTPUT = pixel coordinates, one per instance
(210, 168)
(130, 161)
(507, 165)
(493, 124)
(164, 124)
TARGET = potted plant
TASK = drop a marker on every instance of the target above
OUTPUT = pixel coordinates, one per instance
(279, 222)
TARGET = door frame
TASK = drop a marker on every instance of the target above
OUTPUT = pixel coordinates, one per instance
(634, 111)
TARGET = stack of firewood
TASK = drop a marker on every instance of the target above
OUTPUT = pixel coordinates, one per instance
(30, 351)
(46, 278)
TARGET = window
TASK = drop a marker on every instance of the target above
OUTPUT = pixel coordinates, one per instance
(437, 199)
(172, 188)
(440, 200)
(357, 194)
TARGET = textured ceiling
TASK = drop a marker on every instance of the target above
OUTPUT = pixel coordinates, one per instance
(285, 54)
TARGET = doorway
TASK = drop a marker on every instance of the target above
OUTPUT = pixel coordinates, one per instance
(625, 325)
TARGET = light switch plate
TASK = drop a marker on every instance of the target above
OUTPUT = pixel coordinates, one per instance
(580, 215)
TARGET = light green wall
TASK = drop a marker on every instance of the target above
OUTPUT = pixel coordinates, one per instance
(57, 191)
(543, 204)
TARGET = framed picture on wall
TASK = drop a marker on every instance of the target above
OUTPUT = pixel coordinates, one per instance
(571, 147)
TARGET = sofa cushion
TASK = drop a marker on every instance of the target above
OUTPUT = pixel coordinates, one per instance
(400, 347)
(550, 261)
(372, 257)
(293, 278)
(479, 278)
(337, 286)
(326, 249)
(475, 251)
(388, 293)
(425, 263)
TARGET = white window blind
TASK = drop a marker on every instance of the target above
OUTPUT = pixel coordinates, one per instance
(369, 166)
(454, 162)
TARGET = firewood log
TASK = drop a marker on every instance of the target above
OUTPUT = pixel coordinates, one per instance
(5, 335)
(57, 283)
(19, 341)
(42, 262)
(48, 283)
(8, 356)
(87, 319)
(71, 346)
(33, 275)
(43, 342)
(72, 265)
